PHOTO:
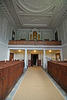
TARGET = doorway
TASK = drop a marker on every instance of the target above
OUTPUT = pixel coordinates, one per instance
(34, 59)
(11, 56)
(56, 36)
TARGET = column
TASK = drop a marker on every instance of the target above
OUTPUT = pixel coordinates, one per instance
(44, 60)
(41, 58)
(8, 55)
(25, 58)
(61, 54)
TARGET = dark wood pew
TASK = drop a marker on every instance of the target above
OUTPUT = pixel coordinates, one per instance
(58, 70)
(9, 75)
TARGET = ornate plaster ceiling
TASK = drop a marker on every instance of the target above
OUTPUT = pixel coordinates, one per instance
(36, 5)
(36, 13)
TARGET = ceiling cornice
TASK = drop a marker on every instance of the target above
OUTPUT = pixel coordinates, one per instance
(8, 4)
(59, 17)
(6, 12)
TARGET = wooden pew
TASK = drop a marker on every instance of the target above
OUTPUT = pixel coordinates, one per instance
(58, 70)
(9, 75)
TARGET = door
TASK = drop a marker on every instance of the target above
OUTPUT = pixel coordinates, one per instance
(11, 56)
(34, 59)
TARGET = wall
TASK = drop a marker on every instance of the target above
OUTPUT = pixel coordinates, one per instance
(64, 52)
(5, 35)
(62, 34)
(19, 56)
(45, 33)
(22, 33)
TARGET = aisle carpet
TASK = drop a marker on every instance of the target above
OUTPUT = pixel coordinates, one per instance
(37, 86)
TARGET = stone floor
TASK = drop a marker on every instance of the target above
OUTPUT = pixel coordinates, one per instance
(12, 93)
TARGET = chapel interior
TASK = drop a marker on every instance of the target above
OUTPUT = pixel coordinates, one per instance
(33, 34)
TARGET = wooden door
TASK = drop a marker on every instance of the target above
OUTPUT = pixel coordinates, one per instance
(11, 56)
(58, 56)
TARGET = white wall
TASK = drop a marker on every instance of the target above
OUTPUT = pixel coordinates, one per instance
(47, 34)
(22, 33)
(3, 51)
(65, 52)
(5, 35)
(19, 56)
(62, 33)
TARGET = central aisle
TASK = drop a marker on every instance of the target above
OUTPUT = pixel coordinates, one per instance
(37, 86)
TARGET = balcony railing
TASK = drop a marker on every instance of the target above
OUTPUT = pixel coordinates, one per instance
(32, 42)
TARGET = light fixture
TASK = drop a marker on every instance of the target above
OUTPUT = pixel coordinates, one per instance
(49, 50)
(34, 50)
(19, 50)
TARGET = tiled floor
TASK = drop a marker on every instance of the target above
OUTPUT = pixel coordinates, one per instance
(12, 93)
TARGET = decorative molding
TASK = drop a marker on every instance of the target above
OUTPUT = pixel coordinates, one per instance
(40, 25)
(41, 15)
(16, 9)
(41, 47)
(62, 13)
(64, 45)
(47, 16)
(3, 43)
(42, 7)
(6, 12)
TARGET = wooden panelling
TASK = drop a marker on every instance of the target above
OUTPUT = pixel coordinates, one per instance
(32, 42)
(34, 35)
(38, 36)
(58, 70)
(9, 74)
(30, 36)
(39, 62)
(1, 76)
(11, 56)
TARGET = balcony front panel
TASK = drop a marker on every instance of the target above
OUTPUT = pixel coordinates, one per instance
(32, 42)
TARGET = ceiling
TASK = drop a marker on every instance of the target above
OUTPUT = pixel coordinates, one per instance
(35, 13)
